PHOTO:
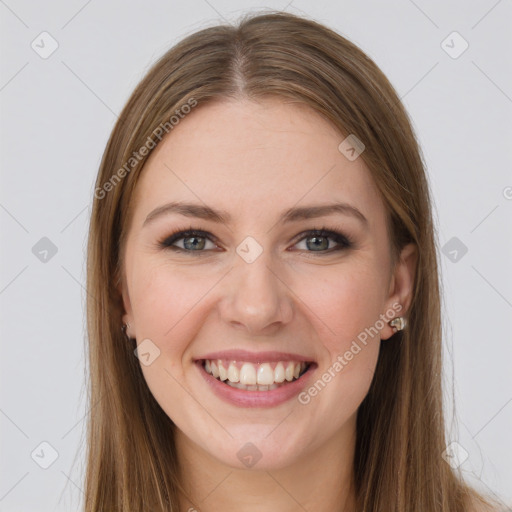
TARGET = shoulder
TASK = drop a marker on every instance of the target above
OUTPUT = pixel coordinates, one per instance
(476, 505)
(482, 508)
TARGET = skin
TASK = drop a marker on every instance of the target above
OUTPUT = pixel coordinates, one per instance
(255, 160)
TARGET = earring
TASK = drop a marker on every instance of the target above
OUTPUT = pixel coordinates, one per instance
(399, 323)
(124, 328)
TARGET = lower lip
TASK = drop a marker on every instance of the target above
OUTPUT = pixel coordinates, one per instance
(242, 398)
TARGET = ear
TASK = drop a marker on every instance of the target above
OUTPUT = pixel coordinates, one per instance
(401, 287)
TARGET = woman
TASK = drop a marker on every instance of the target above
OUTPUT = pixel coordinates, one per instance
(263, 314)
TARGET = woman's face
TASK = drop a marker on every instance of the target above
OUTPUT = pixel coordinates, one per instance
(255, 298)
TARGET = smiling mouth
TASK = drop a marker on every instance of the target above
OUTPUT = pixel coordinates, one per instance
(255, 376)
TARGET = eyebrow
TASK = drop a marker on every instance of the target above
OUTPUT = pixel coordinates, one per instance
(223, 217)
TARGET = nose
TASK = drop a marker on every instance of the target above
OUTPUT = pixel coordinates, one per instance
(257, 298)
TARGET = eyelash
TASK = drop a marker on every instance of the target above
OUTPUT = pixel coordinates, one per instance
(343, 241)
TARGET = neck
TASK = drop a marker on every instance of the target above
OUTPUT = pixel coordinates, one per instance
(321, 480)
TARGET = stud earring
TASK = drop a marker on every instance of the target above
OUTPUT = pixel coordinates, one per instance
(398, 323)
(124, 328)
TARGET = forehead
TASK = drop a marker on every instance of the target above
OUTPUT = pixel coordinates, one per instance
(255, 159)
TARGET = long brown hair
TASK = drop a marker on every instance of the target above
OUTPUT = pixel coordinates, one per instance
(131, 459)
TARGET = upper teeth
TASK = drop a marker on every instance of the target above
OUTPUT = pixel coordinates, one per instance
(249, 374)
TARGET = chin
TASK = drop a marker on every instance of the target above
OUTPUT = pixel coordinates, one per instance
(258, 447)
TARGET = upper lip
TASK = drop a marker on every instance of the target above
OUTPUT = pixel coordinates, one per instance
(255, 357)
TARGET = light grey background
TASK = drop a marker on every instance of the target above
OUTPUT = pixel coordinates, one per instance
(57, 113)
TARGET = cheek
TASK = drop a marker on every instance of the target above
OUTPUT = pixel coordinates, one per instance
(343, 378)
(346, 304)
(346, 301)
(163, 305)
(163, 301)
